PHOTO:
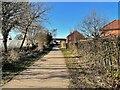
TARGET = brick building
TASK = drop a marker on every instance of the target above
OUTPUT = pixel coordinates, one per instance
(112, 29)
(74, 37)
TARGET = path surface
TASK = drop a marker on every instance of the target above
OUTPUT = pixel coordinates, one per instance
(48, 72)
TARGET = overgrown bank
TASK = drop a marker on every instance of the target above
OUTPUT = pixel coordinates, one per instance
(93, 64)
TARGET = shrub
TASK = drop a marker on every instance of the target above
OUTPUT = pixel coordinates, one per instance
(100, 55)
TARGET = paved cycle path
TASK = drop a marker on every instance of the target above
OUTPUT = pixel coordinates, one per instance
(48, 72)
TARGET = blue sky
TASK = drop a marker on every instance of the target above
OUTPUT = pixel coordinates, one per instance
(65, 15)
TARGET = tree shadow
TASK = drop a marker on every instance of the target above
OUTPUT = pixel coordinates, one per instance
(65, 57)
(43, 74)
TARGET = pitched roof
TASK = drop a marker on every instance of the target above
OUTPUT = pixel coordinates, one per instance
(74, 33)
(115, 24)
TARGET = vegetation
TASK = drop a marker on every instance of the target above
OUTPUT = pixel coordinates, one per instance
(44, 39)
(10, 13)
(34, 15)
(95, 63)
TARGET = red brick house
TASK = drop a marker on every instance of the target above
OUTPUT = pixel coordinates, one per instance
(112, 29)
(74, 37)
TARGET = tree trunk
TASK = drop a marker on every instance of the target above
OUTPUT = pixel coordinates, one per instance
(26, 30)
(24, 38)
(5, 43)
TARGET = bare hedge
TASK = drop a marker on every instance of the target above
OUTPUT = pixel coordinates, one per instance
(105, 53)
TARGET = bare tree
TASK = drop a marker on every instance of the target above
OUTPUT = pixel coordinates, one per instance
(92, 24)
(35, 13)
(10, 13)
(33, 31)
(41, 38)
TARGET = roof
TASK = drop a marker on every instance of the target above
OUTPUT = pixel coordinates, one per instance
(114, 25)
(74, 33)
